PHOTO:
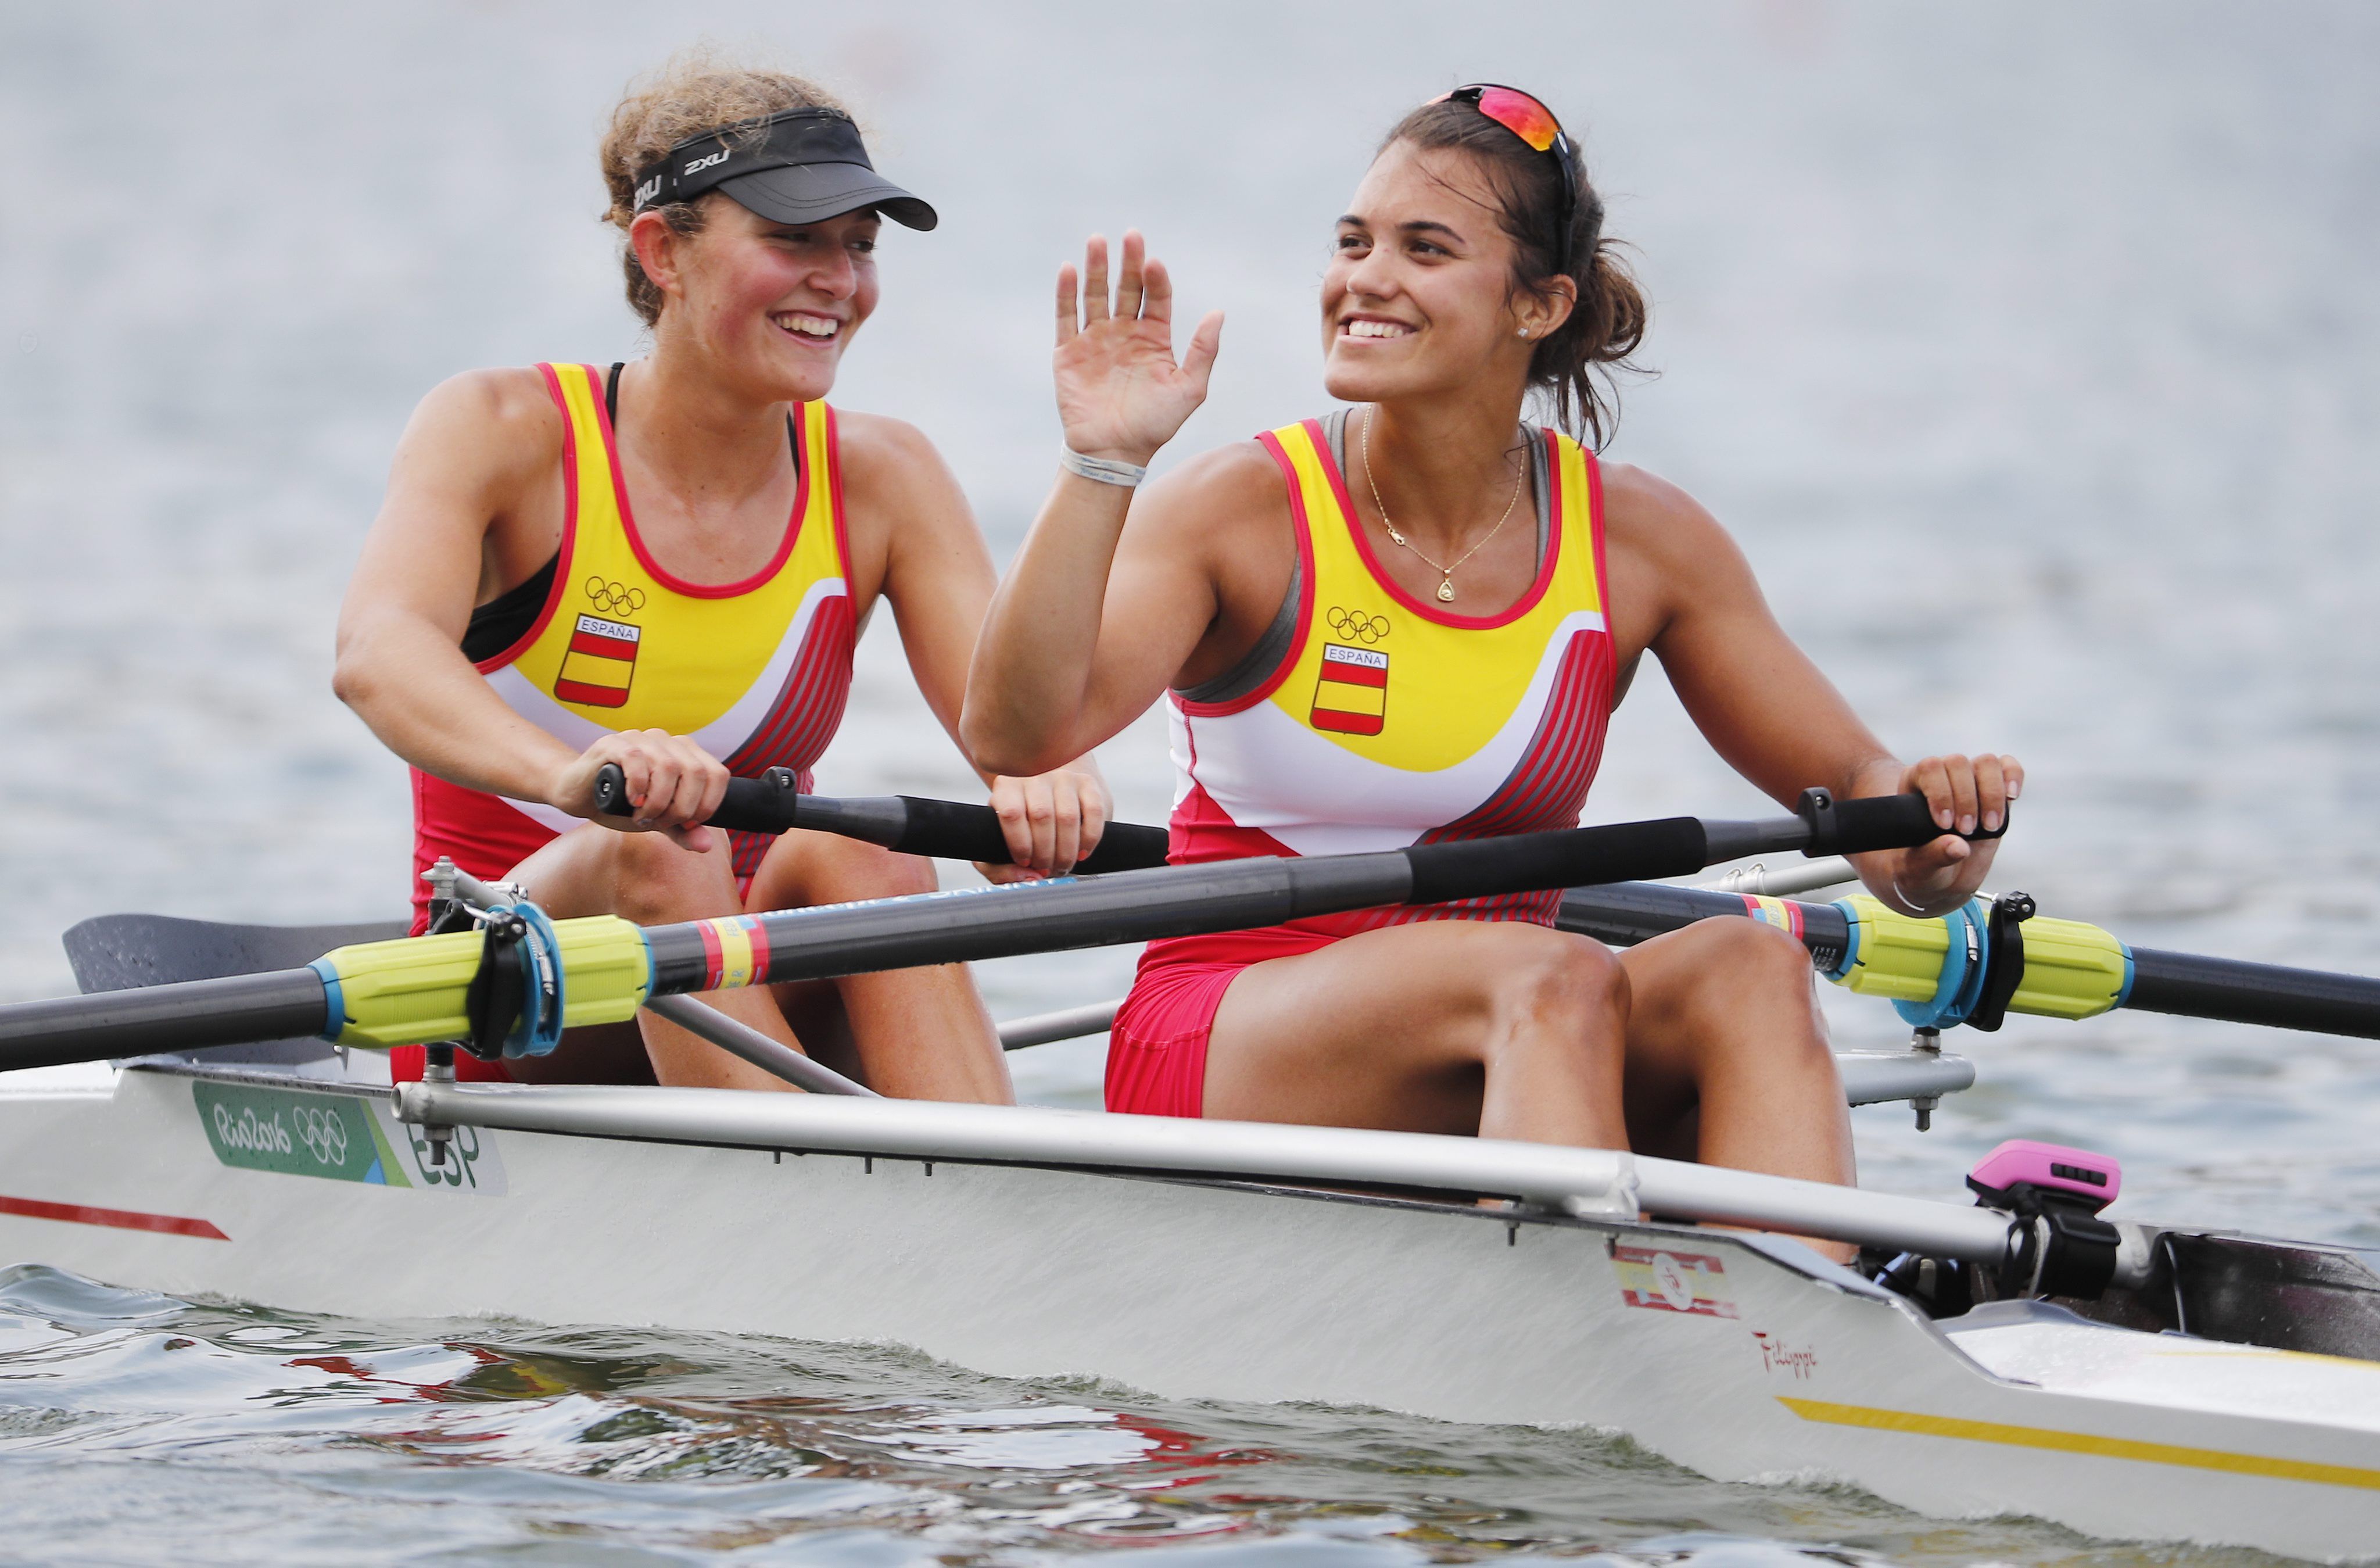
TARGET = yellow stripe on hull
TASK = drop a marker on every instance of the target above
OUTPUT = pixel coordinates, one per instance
(2082, 1443)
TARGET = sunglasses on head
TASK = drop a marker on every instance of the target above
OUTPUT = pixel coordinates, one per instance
(1534, 124)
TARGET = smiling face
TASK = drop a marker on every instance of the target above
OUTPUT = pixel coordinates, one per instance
(770, 304)
(1419, 299)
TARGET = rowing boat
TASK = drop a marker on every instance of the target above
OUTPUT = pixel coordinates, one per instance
(2022, 1355)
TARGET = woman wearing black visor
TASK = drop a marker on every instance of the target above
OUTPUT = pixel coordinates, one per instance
(663, 566)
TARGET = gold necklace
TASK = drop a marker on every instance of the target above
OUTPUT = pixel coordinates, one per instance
(1445, 574)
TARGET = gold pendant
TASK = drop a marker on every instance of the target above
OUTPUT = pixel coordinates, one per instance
(1446, 590)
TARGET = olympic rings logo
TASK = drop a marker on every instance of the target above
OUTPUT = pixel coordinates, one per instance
(1357, 626)
(323, 1131)
(613, 599)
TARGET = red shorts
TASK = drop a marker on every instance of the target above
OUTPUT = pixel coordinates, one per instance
(1157, 1051)
(406, 1062)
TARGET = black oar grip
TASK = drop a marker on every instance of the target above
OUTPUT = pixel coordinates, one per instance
(764, 805)
(945, 829)
(951, 830)
(1869, 822)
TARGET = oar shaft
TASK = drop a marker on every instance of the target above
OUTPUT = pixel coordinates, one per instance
(190, 1015)
(2270, 994)
(1624, 914)
(968, 926)
(2179, 985)
(980, 923)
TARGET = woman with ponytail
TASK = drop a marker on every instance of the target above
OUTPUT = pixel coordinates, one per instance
(1410, 621)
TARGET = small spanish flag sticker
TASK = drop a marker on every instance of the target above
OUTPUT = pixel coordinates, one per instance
(1352, 697)
(601, 661)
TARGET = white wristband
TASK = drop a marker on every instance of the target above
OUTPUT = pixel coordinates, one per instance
(1100, 470)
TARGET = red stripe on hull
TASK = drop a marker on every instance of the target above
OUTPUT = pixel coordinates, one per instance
(116, 1219)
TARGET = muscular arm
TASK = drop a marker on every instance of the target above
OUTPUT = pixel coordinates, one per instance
(1763, 706)
(1110, 594)
(938, 575)
(1103, 610)
(936, 572)
(1755, 695)
(470, 456)
(473, 478)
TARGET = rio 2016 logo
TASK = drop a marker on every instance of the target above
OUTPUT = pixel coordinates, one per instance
(320, 1129)
(246, 1130)
(342, 1137)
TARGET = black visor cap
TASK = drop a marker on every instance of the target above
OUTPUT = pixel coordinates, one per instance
(798, 167)
(807, 193)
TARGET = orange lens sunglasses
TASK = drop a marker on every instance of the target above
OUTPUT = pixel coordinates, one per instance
(1525, 117)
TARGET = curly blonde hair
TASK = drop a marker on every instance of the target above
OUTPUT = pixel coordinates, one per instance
(692, 93)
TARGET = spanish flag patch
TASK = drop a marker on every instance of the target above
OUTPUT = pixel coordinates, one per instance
(1352, 697)
(601, 661)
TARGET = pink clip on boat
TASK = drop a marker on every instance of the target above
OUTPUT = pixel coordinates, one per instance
(2022, 1175)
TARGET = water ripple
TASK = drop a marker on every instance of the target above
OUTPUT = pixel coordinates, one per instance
(271, 1436)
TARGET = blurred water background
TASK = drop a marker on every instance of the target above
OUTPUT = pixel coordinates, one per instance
(2032, 352)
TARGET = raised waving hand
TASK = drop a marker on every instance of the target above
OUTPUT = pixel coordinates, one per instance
(1121, 396)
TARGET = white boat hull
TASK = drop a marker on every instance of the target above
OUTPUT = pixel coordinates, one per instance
(1762, 1363)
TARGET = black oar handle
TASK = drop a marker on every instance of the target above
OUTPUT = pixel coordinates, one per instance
(944, 829)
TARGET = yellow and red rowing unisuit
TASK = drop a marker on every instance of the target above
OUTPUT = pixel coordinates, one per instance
(1376, 720)
(758, 672)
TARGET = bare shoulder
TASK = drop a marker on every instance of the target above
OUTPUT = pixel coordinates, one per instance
(877, 445)
(1647, 515)
(494, 425)
(890, 470)
(1669, 557)
(1220, 493)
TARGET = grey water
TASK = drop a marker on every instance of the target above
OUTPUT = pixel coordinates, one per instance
(2031, 352)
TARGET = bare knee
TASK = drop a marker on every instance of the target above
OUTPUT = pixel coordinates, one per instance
(655, 880)
(1728, 965)
(864, 870)
(1750, 987)
(808, 868)
(1567, 985)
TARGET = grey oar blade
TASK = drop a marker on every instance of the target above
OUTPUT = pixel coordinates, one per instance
(126, 952)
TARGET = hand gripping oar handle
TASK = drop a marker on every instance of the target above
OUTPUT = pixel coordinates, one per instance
(907, 823)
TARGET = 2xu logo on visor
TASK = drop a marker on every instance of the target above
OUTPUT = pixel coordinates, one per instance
(786, 141)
